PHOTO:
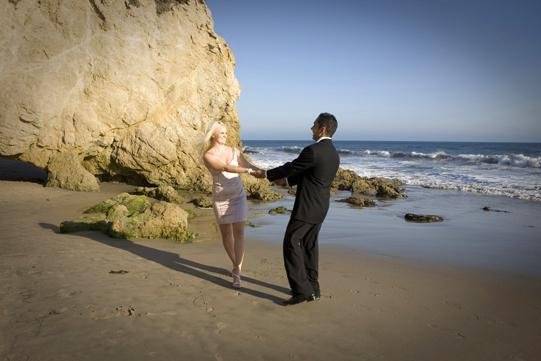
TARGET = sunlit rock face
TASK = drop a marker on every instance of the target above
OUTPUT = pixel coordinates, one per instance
(113, 89)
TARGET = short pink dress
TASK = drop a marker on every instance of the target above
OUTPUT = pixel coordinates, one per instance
(228, 195)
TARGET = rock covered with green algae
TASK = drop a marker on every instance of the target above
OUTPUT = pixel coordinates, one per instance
(375, 186)
(422, 218)
(279, 210)
(203, 201)
(260, 189)
(163, 192)
(358, 200)
(134, 216)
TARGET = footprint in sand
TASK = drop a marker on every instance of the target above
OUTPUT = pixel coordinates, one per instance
(125, 311)
(26, 295)
(453, 304)
(292, 356)
(219, 327)
(202, 302)
(118, 272)
(66, 293)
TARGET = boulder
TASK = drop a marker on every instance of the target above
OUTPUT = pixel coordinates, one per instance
(134, 216)
(358, 200)
(375, 186)
(162, 192)
(260, 189)
(422, 218)
(203, 202)
(344, 179)
(114, 90)
(279, 210)
(65, 171)
(389, 188)
(89, 222)
(488, 209)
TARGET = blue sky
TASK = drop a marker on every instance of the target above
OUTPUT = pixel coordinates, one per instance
(389, 70)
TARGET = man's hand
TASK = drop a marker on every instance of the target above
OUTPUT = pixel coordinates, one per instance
(259, 173)
(280, 182)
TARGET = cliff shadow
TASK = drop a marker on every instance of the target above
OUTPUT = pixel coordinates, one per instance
(17, 170)
(175, 262)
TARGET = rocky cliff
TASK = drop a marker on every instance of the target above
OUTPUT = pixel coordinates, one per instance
(113, 89)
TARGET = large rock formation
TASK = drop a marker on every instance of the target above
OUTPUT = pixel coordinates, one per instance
(113, 89)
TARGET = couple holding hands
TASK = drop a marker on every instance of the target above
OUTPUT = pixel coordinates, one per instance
(312, 172)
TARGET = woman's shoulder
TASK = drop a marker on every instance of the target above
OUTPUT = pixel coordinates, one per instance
(212, 152)
(229, 153)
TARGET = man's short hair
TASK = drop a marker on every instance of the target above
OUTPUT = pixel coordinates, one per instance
(328, 121)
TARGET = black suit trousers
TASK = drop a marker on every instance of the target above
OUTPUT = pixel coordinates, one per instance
(301, 256)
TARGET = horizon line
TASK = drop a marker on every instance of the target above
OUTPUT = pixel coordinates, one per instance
(401, 141)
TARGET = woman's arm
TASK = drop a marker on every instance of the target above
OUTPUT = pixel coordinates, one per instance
(243, 161)
(216, 164)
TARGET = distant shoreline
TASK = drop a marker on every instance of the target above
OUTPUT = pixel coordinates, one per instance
(509, 169)
(396, 141)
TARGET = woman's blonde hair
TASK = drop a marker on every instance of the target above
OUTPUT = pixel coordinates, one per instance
(207, 141)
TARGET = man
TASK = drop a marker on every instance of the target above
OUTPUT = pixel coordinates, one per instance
(312, 172)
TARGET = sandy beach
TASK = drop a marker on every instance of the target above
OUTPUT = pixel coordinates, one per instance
(425, 118)
(60, 301)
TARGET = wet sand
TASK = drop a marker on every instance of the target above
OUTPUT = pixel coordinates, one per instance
(59, 300)
(506, 239)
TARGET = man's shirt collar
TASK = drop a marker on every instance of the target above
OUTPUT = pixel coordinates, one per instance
(320, 139)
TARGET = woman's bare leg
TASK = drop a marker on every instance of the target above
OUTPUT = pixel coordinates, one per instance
(229, 241)
(238, 234)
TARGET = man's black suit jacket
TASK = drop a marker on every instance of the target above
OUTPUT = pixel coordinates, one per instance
(312, 172)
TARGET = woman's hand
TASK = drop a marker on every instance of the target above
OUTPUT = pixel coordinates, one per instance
(258, 173)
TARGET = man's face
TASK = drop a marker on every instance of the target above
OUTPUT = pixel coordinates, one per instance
(315, 131)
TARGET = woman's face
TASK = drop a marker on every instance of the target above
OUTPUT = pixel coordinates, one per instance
(220, 135)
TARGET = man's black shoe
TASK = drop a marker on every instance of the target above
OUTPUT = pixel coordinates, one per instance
(298, 299)
(317, 295)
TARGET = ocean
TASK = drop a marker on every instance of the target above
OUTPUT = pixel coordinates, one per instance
(507, 169)
(453, 180)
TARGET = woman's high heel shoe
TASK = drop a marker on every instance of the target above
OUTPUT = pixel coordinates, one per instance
(236, 280)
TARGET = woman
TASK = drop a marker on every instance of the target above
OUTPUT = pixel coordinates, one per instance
(225, 164)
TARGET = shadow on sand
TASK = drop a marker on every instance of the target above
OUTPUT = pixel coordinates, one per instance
(16, 170)
(177, 263)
